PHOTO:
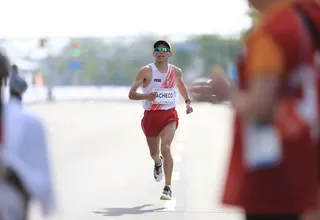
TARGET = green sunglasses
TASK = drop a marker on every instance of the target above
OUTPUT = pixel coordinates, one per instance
(165, 50)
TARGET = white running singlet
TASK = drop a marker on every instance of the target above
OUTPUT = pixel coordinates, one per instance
(165, 86)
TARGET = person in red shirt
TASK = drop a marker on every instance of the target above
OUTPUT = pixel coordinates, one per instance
(273, 169)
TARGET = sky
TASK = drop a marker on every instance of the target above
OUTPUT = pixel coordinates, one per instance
(94, 18)
(24, 22)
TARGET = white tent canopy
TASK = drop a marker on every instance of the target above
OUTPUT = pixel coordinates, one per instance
(15, 58)
(24, 65)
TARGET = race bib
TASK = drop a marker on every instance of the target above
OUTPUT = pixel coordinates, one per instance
(164, 96)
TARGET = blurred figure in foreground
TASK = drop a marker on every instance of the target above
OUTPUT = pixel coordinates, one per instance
(273, 169)
(26, 173)
(219, 85)
(4, 70)
(14, 72)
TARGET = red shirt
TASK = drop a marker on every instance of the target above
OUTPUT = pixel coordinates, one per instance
(275, 47)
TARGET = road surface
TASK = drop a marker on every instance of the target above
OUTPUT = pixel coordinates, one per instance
(103, 170)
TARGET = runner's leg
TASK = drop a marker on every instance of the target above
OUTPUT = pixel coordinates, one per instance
(154, 147)
(167, 136)
(153, 143)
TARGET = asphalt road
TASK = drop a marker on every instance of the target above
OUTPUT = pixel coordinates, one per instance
(103, 170)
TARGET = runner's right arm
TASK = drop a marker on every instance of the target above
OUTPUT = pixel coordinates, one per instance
(133, 94)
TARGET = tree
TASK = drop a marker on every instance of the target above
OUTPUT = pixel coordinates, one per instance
(91, 54)
(254, 16)
(215, 50)
(118, 62)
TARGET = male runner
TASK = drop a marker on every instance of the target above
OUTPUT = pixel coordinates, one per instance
(159, 81)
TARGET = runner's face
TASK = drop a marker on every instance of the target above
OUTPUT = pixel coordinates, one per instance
(162, 53)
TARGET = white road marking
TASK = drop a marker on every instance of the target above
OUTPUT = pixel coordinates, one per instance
(180, 146)
(175, 176)
(170, 205)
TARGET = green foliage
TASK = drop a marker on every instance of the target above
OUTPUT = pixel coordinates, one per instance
(117, 63)
(215, 50)
(254, 16)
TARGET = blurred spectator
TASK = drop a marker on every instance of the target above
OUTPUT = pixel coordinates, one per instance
(26, 173)
(17, 87)
(14, 72)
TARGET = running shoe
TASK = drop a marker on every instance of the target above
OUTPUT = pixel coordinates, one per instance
(167, 193)
(158, 171)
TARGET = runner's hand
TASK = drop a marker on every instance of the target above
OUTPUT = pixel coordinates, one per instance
(189, 109)
(151, 96)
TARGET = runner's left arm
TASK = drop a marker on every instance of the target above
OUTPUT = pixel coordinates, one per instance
(180, 84)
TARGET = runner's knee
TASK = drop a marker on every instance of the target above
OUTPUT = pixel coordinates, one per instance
(165, 148)
(154, 156)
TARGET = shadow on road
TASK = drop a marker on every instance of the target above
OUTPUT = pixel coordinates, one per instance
(137, 210)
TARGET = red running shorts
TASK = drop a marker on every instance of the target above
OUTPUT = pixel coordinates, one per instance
(153, 122)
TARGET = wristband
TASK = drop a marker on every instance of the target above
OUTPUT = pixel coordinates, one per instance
(188, 101)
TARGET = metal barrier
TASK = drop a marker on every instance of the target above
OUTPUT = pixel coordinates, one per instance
(59, 93)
